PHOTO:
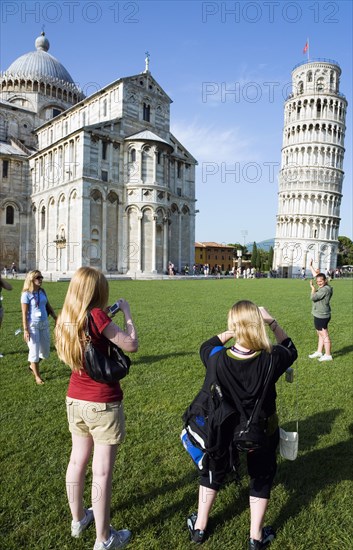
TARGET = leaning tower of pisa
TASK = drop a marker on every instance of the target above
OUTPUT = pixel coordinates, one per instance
(311, 176)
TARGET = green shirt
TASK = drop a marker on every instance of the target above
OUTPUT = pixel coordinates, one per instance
(321, 302)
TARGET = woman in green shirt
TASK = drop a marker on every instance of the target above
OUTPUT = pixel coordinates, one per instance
(321, 311)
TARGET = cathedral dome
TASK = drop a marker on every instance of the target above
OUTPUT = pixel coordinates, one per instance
(39, 65)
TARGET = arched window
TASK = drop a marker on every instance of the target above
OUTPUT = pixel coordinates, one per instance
(10, 215)
(42, 218)
(320, 84)
(133, 155)
(146, 112)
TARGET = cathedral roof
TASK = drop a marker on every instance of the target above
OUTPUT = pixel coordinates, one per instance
(39, 65)
(146, 135)
(10, 149)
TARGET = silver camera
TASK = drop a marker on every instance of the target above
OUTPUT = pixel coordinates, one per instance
(289, 375)
(114, 308)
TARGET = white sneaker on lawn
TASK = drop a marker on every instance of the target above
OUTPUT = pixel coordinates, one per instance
(326, 358)
(77, 527)
(117, 539)
(315, 355)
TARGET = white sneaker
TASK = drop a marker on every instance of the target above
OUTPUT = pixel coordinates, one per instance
(77, 527)
(117, 539)
(315, 355)
(326, 358)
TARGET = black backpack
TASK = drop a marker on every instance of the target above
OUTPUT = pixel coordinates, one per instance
(215, 426)
(209, 422)
(251, 432)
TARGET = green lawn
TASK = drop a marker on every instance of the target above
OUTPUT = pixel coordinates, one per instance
(155, 483)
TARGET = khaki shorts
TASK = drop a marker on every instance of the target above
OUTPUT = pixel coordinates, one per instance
(104, 422)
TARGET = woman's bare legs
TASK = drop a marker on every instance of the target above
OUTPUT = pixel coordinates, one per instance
(34, 367)
(324, 341)
(206, 499)
(102, 467)
(76, 473)
(258, 507)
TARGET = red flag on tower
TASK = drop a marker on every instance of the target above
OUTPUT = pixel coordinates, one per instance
(306, 47)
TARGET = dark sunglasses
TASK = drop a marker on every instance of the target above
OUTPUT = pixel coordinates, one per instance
(39, 277)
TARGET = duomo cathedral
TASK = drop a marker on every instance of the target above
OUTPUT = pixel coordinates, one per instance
(91, 181)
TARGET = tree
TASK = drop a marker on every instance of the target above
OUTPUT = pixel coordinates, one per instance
(259, 260)
(345, 251)
(254, 255)
(270, 257)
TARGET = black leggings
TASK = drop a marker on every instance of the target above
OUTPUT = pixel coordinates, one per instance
(262, 466)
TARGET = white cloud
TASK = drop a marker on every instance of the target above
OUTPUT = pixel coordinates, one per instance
(212, 143)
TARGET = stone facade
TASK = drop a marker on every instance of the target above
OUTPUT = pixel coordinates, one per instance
(311, 176)
(101, 181)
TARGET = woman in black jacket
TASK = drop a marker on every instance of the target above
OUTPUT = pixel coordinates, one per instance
(241, 371)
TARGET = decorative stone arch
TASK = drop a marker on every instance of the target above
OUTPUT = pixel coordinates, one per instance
(61, 198)
(320, 84)
(43, 213)
(11, 210)
(9, 201)
(146, 109)
(21, 100)
(95, 247)
(174, 208)
(73, 194)
(96, 195)
(113, 197)
(50, 106)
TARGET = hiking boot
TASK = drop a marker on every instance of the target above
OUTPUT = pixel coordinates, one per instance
(117, 539)
(326, 358)
(268, 534)
(315, 355)
(78, 526)
(196, 535)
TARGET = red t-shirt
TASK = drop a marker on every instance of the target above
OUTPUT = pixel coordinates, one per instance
(81, 386)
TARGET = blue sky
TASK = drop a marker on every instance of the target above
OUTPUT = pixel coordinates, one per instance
(226, 65)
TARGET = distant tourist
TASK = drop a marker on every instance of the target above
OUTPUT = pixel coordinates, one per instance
(321, 311)
(171, 270)
(35, 311)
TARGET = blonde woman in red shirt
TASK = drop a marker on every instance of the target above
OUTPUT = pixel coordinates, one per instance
(95, 410)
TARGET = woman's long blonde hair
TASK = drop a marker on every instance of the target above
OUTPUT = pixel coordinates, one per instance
(28, 285)
(88, 289)
(246, 321)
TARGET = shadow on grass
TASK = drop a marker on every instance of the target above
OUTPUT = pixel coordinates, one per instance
(307, 476)
(343, 351)
(316, 470)
(142, 498)
(303, 479)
